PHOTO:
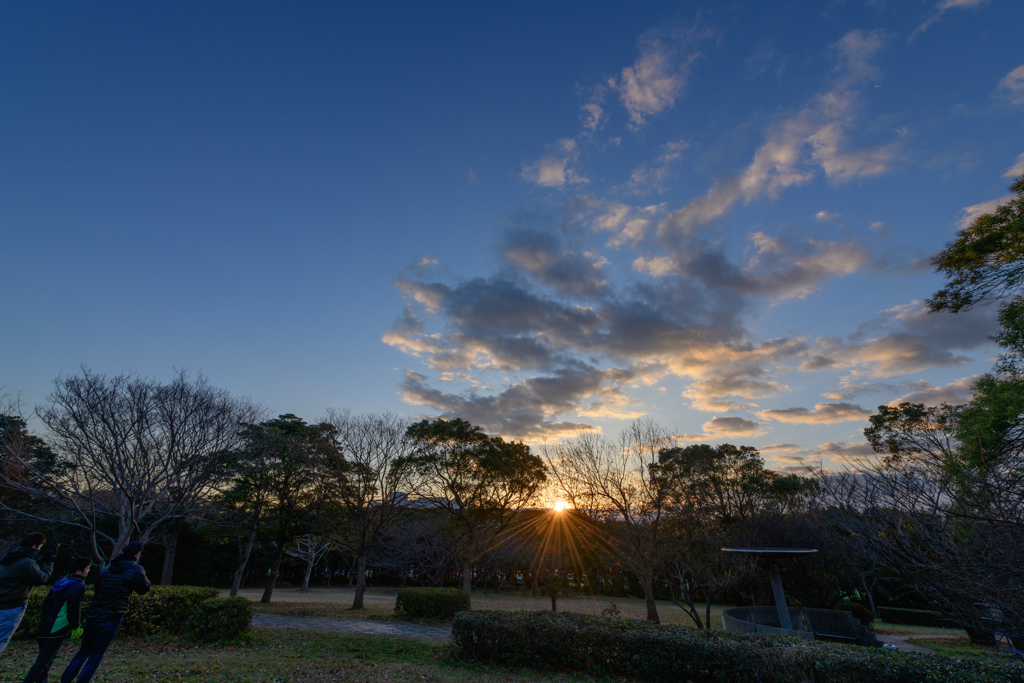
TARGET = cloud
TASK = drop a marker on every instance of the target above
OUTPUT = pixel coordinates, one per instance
(823, 413)
(627, 223)
(781, 448)
(815, 137)
(854, 450)
(725, 428)
(735, 385)
(592, 115)
(777, 268)
(957, 392)
(941, 8)
(653, 176)
(969, 213)
(1013, 85)
(1017, 168)
(525, 409)
(539, 253)
(554, 168)
(591, 302)
(551, 309)
(907, 338)
(656, 266)
(825, 215)
(916, 390)
(653, 83)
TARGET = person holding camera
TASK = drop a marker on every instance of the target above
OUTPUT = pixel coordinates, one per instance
(19, 573)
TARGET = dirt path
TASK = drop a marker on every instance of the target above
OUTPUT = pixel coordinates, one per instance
(901, 644)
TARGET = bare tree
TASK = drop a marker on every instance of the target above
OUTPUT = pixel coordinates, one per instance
(906, 512)
(311, 549)
(421, 545)
(361, 484)
(132, 453)
(612, 483)
(200, 428)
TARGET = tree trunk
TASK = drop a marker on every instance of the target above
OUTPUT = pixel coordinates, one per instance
(170, 549)
(305, 579)
(467, 576)
(871, 598)
(652, 609)
(357, 603)
(275, 569)
(243, 561)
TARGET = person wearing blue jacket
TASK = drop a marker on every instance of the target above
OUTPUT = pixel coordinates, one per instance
(114, 585)
(62, 614)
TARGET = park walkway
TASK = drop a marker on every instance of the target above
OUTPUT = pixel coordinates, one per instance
(361, 626)
(901, 644)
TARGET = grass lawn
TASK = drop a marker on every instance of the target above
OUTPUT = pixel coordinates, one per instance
(962, 647)
(278, 655)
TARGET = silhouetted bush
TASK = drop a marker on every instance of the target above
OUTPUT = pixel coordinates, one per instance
(164, 609)
(219, 619)
(649, 652)
(431, 603)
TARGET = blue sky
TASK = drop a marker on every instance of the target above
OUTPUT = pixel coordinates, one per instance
(535, 217)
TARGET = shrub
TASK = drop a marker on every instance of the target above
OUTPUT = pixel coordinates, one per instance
(859, 611)
(221, 619)
(164, 609)
(623, 647)
(431, 603)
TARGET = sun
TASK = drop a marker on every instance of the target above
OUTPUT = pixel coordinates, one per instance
(560, 505)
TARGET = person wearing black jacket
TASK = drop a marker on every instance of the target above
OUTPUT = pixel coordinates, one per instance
(19, 572)
(62, 614)
(114, 585)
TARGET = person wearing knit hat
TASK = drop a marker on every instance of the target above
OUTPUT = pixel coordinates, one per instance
(114, 586)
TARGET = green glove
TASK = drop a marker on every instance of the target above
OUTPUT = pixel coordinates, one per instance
(77, 633)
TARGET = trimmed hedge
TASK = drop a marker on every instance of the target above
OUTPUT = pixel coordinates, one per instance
(219, 619)
(431, 603)
(164, 609)
(623, 647)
